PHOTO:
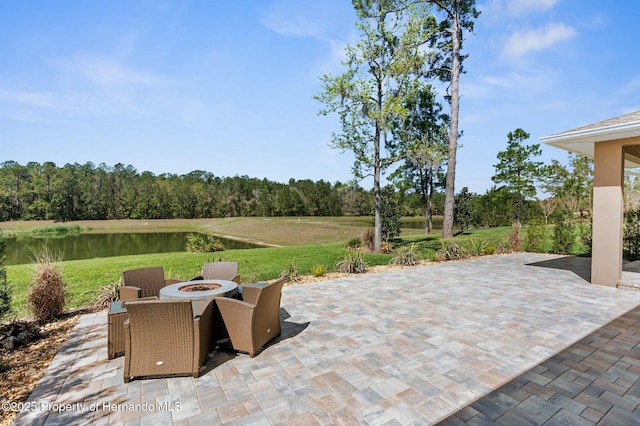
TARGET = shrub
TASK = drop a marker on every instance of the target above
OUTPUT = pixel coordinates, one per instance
(6, 294)
(5, 288)
(353, 243)
(631, 238)
(353, 262)
(515, 241)
(450, 250)
(203, 243)
(368, 238)
(563, 234)
(390, 214)
(385, 247)
(318, 270)
(534, 240)
(586, 237)
(406, 256)
(563, 237)
(490, 249)
(291, 271)
(48, 294)
(502, 247)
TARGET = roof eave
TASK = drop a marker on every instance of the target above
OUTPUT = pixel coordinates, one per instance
(601, 134)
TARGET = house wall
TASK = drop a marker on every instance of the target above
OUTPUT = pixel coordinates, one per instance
(608, 210)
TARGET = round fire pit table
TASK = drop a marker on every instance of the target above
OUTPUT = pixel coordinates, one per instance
(199, 291)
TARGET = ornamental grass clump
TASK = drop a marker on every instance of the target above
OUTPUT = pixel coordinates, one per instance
(318, 270)
(107, 294)
(353, 263)
(476, 247)
(291, 271)
(515, 240)
(368, 238)
(48, 293)
(407, 256)
(451, 251)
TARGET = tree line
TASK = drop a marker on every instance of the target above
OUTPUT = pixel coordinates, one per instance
(88, 192)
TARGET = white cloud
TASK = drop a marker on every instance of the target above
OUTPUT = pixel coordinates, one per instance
(109, 73)
(497, 8)
(292, 18)
(518, 7)
(32, 99)
(508, 84)
(522, 42)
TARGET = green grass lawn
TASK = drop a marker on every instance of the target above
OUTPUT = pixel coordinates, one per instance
(85, 277)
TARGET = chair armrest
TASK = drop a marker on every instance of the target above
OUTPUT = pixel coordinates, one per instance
(130, 292)
(170, 281)
(250, 292)
(196, 278)
(203, 329)
(233, 310)
(238, 318)
(236, 279)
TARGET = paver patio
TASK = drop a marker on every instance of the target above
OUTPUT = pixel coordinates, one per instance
(409, 346)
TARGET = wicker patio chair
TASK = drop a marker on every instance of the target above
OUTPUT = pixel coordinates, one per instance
(143, 282)
(220, 271)
(252, 322)
(163, 338)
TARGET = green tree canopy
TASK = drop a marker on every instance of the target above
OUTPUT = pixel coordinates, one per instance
(572, 186)
(517, 170)
(422, 143)
(383, 69)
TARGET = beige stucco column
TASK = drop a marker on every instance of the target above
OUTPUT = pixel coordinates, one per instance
(608, 206)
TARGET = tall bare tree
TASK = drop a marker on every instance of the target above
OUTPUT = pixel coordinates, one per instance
(458, 15)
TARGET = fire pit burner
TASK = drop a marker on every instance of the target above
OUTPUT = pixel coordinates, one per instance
(199, 287)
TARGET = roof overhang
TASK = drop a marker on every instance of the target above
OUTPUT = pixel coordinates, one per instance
(582, 140)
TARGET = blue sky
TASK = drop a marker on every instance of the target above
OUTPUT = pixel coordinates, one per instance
(227, 87)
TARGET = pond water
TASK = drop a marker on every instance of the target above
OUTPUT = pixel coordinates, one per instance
(418, 222)
(88, 246)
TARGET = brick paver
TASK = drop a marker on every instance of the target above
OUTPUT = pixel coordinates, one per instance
(595, 381)
(404, 347)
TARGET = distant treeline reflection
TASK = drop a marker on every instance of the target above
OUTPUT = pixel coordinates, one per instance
(88, 246)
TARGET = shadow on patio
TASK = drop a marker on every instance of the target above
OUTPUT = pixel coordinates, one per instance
(594, 381)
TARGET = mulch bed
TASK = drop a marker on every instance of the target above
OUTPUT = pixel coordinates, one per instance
(26, 349)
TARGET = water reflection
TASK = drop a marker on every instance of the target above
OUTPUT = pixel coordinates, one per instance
(418, 222)
(88, 246)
